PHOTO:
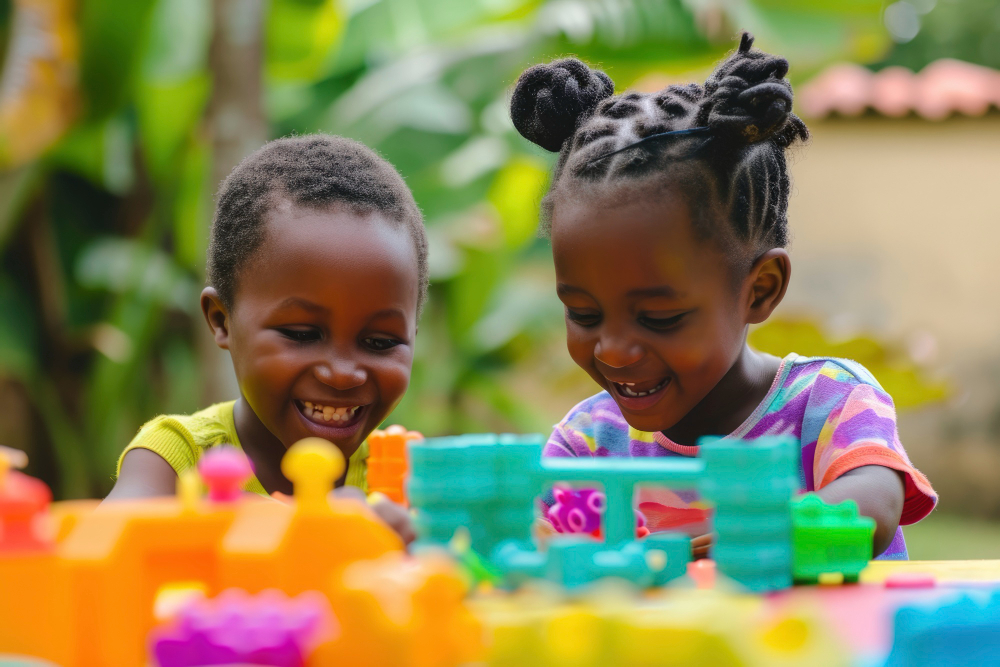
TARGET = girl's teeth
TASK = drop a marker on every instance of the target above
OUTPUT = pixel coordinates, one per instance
(627, 389)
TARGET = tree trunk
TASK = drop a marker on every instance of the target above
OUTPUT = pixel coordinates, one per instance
(238, 127)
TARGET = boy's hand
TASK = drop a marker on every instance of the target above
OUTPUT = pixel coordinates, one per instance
(700, 546)
(395, 516)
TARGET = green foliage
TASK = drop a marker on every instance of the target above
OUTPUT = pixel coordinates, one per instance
(99, 279)
(968, 30)
(902, 379)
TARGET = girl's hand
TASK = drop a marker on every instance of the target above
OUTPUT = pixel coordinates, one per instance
(395, 516)
(700, 546)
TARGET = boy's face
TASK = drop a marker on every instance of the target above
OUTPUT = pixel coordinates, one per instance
(652, 312)
(323, 322)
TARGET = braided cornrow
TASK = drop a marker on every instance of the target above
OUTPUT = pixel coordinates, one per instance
(745, 105)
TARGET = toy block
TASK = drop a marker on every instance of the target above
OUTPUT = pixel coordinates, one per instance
(387, 465)
(403, 612)
(236, 628)
(297, 547)
(829, 539)
(963, 631)
(751, 485)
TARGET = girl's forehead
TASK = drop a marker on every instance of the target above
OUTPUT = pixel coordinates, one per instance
(648, 242)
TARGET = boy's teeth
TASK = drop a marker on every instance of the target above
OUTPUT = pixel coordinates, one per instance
(329, 413)
(626, 389)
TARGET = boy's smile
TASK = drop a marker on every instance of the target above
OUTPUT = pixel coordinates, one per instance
(322, 326)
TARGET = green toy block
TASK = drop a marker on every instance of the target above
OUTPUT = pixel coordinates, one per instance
(829, 539)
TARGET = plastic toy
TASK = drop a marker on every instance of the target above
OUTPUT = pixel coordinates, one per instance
(965, 631)
(387, 461)
(98, 585)
(488, 483)
(236, 628)
(580, 510)
(224, 470)
(829, 539)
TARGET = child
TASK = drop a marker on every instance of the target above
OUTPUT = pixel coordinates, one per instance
(317, 271)
(668, 220)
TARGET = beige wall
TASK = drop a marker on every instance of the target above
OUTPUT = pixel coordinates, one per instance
(896, 228)
(896, 231)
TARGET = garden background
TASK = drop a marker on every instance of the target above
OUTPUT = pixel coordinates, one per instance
(118, 118)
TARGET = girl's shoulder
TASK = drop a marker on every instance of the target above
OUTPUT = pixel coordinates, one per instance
(800, 370)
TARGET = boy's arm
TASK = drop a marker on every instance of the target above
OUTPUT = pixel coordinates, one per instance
(879, 493)
(144, 474)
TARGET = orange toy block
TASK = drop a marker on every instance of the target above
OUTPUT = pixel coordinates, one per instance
(402, 612)
(298, 547)
(387, 461)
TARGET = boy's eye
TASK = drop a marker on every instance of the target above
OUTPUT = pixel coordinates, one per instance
(301, 335)
(583, 319)
(380, 344)
(662, 322)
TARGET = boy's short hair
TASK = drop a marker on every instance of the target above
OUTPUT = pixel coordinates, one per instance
(313, 171)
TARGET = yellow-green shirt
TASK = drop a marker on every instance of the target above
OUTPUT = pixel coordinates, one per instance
(182, 439)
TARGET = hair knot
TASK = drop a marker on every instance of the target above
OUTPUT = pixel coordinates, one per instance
(748, 99)
(550, 100)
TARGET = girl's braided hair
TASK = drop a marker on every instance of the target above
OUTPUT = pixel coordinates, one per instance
(736, 129)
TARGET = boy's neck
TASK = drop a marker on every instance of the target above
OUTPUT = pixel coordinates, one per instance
(263, 449)
(731, 401)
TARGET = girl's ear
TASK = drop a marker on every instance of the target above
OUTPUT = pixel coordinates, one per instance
(768, 282)
(216, 315)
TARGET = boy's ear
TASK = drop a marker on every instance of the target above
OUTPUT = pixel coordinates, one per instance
(216, 315)
(768, 282)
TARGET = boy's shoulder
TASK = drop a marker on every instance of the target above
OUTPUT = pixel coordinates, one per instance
(203, 428)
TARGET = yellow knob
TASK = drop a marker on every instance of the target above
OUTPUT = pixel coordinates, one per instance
(313, 465)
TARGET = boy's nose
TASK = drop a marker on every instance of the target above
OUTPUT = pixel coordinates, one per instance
(615, 352)
(341, 374)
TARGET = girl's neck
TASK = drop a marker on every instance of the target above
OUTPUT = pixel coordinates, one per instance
(731, 401)
(263, 449)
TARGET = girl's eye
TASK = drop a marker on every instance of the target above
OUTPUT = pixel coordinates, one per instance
(583, 319)
(301, 335)
(662, 322)
(380, 344)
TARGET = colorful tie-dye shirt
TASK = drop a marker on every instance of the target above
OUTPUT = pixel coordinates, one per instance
(835, 407)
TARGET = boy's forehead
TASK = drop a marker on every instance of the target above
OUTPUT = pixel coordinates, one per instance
(307, 250)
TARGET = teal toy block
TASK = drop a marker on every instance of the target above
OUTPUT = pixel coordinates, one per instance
(963, 631)
(485, 483)
(575, 562)
(829, 539)
(751, 485)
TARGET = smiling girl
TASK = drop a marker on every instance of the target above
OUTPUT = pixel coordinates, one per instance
(668, 220)
(317, 271)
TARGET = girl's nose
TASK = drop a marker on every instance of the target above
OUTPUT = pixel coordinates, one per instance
(617, 352)
(341, 374)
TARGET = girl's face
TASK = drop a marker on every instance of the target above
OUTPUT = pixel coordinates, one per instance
(652, 312)
(322, 327)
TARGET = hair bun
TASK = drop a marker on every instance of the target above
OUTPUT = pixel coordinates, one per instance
(550, 100)
(748, 99)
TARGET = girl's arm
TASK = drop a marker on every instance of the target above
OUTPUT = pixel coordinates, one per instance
(879, 493)
(144, 474)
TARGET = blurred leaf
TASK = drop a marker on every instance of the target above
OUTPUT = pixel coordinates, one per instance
(175, 85)
(193, 207)
(100, 152)
(300, 37)
(903, 380)
(17, 332)
(167, 114)
(123, 266)
(112, 34)
(15, 188)
(516, 193)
